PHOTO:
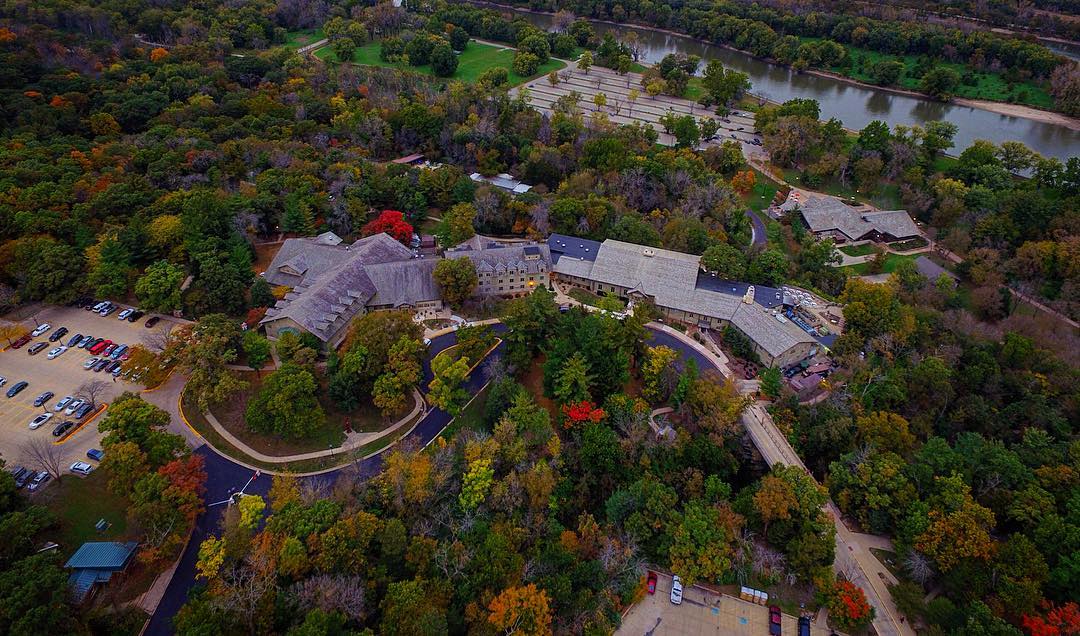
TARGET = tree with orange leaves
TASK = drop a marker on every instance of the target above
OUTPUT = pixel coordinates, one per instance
(848, 607)
(743, 181)
(521, 610)
(158, 54)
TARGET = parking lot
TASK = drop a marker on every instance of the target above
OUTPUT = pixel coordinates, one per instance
(63, 376)
(702, 612)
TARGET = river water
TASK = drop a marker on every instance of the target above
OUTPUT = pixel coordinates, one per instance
(856, 106)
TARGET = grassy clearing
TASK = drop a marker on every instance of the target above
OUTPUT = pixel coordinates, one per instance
(762, 194)
(865, 249)
(79, 502)
(297, 39)
(892, 261)
(989, 86)
(588, 298)
(910, 244)
(472, 62)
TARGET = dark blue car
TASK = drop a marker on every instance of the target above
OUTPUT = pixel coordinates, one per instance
(95, 454)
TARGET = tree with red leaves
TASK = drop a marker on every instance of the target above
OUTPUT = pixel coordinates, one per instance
(393, 223)
(1059, 621)
(580, 412)
(848, 607)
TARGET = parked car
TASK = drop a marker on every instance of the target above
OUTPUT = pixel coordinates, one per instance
(42, 328)
(19, 386)
(81, 468)
(3, 380)
(676, 590)
(19, 473)
(82, 411)
(74, 406)
(124, 314)
(75, 340)
(135, 315)
(119, 351)
(98, 306)
(58, 334)
(36, 348)
(40, 420)
(26, 476)
(95, 454)
(56, 352)
(108, 310)
(43, 398)
(39, 480)
(100, 346)
(113, 366)
(93, 343)
(774, 620)
(804, 626)
(62, 404)
(101, 364)
(62, 428)
(90, 363)
(151, 321)
(22, 340)
(651, 583)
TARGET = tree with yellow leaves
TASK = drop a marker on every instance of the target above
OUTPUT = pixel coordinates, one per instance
(211, 558)
(743, 181)
(521, 610)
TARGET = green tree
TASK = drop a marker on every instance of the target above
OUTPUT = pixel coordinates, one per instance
(203, 356)
(940, 82)
(34, 597)
(457, 224)
(456, 278)
(159, 287)
(444, 61)
(771, 382)
(125, 464)
(256, 349)
(261, 294)
(768, 268)
(529, 322)
(525, 64)
(724, 260)
(445, 390)
(409, 609)
(572, 385)
(286, 404)
(584, 62)
(659, 374)
(475, 483)
(702, 538)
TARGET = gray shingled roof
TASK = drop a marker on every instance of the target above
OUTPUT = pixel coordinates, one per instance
(671, 278)
(338, 281)
(488, 255)
(824, 214)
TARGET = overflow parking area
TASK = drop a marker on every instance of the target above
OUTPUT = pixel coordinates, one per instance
(63, 375)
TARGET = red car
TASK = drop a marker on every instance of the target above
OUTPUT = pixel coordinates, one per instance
(651, 582)
(99, 347)
(21, 341)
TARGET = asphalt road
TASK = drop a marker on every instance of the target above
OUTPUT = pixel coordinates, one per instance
(757, 227)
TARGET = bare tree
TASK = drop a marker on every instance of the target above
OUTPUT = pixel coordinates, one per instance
(919, 567)
(91, 391)
(333, 593)
(158, 339)
(40, 451)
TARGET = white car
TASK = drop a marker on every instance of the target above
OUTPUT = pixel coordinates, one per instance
(42, 328)
(74, 406)
(124, 314)
(81, 468)
(3, 380)
(56, 352)
(39, 421)
(91, 362)
(63, 403)
(676, 590)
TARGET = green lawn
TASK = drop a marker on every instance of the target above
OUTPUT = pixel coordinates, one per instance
(78, 503)
(988, 86)
(472, 62)
(586, 297)
(865, 249)
(297, 39)
(764, 190)
(891, 262)
(471, 417)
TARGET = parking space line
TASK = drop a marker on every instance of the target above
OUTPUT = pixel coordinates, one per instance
(90, 418)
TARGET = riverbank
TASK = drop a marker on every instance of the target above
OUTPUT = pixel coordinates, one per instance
(1000, 108)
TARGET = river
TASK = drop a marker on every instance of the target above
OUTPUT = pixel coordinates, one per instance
(854, 105)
